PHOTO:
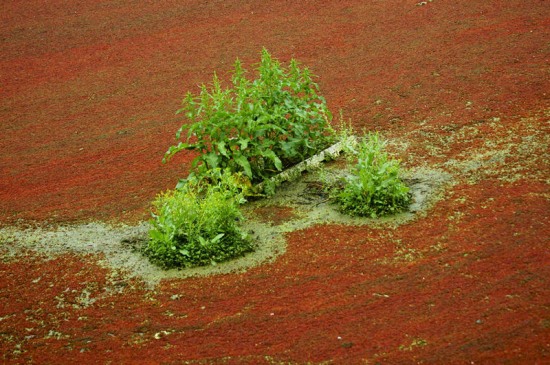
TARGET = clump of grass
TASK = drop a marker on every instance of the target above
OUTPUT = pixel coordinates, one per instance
(374, 187)
(198, 225)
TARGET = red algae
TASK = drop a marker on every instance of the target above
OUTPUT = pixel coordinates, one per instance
(89, 92)
(275, 215)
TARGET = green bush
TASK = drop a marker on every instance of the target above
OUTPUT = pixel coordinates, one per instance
(256, 127)
(374, 188)
(243, 135)
(198, 225)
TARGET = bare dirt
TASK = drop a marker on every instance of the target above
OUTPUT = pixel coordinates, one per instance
(89, 91)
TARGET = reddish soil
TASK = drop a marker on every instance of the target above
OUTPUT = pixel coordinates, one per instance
(88, 95)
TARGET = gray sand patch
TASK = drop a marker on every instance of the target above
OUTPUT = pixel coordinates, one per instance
(116, 245)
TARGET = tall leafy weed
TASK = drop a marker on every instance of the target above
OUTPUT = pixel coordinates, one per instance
(374, 187)
(257, 127)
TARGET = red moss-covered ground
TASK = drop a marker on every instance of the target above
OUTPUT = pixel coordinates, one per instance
(88, 94)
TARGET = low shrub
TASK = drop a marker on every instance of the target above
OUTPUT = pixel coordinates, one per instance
(256, 127)
(198, 224)
(374, 188)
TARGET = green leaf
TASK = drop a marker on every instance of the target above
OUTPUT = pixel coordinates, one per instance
(273, 157)
(275, 128)
(244, 143)
(243, 162)
(156, 235)
(222, 149)
(289, 147)
(212, 160)
(217, 238)
(181, 184)
(175, 149)
(178, 133)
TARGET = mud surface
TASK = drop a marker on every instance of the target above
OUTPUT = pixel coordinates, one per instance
(460, 89)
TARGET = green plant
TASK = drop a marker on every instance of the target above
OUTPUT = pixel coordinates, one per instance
(256, 127)
(235, 184)
(197, 225)
(374, 188)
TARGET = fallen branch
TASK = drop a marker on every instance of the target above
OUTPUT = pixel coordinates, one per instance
(309, 164)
